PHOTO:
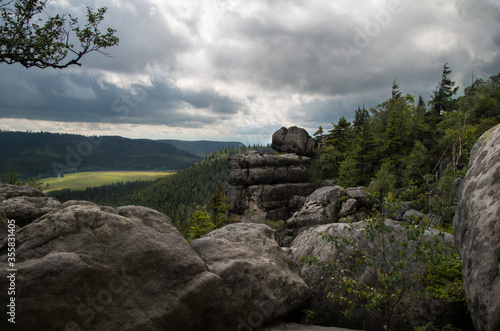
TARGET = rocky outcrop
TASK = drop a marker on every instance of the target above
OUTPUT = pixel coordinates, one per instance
(91, 267)
(321, 207)
(265, 184)
(25, 209)
(8, 191)
(294, 140)
(477, 231)
(24, 204)
(101, 268)
(260, 280)
(328, 204)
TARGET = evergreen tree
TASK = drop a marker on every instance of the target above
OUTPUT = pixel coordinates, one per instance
(200, 224)
(220, 207)
(320, 133)
(340, 135)
(396, 93)
(361, 115)
(442, 96)
(421, 102)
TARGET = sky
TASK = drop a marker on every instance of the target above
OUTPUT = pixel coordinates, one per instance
(238, 70)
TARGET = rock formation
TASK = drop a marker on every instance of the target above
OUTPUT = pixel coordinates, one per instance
(294, 140)
(260, 280)
(87, 267)
(91, 267)
(321, 207)
(265, 184)
(477, 231)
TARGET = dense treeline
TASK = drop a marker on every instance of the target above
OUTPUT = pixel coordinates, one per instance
(177, 196)
(46, 154)
(202, 147)
(409, 144)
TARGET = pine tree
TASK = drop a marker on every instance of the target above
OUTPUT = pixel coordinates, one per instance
(396, 93)
(220, 207)
(442, 96)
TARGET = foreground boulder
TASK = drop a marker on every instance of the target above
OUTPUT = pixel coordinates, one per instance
(25, 209)
(294, 140)
(23, 204)
(477, 231)
(8, 191)
(259, 279)
(96, 268)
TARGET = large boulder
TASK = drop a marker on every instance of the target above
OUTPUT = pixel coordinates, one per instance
(8, 191)
(321, 207)
(259, 279)
(294, 140)
(96, 268)
(26, 209)
(477, 231)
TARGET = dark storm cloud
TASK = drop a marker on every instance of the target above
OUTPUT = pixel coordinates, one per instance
(81, 97)
(256, 65)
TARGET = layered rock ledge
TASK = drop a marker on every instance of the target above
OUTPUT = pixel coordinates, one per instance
(266, 183)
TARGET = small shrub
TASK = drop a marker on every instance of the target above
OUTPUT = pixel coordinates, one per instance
(276, 225)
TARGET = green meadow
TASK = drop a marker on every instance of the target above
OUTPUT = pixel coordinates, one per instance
(82, 180)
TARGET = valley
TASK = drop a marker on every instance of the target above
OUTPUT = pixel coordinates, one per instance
(83, 180)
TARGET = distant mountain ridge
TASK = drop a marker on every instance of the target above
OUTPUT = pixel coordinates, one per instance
(202, 147)
(47, 154)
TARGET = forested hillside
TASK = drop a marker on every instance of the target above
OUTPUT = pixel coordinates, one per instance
(177, 196)
(202, 147)
(407, 143)
(49, 154)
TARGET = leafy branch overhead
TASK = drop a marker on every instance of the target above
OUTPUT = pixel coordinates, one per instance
(55, 42)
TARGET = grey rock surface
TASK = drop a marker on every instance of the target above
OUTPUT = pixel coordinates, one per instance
(412, 214)
(254, 168)
(294, 140)
(477, 231)
(97, 268)
(8, 191)
(264, 184)
(26, 209)
(320, 207)
(259, 279)
(348, 207)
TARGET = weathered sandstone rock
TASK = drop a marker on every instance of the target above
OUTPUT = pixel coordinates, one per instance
(26, 209)
(321, 207)
(265, 183)
(254, 168)
(8, 191)
(293, 140)
(477, 231)
(259, 279)
(97, 268)
(348, 207)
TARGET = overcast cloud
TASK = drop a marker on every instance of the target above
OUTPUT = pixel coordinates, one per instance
(239, 70)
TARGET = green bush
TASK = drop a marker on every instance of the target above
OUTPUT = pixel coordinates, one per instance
(13, 178)
(398, 261)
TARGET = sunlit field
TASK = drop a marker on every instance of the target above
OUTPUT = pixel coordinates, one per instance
(82, 180)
